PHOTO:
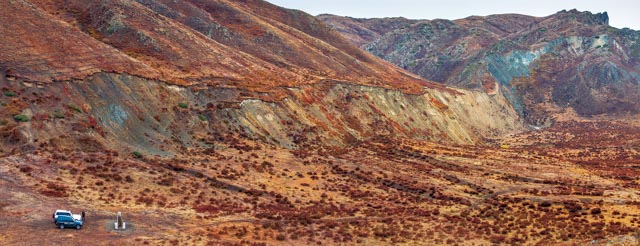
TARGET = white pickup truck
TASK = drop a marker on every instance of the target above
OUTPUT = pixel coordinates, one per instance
(66, 213)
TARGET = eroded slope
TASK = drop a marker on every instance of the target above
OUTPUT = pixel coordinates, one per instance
(124, 112)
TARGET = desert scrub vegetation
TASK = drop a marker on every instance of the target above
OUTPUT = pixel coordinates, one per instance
(74, 108)
(58, 115)
(26, 169)
(183, 105)
(55, 190)
(136, 154)
(21, 118)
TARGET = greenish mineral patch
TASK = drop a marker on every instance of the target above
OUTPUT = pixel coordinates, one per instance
(635, 50)
(115, 23)
(469, 69)
(117, 114)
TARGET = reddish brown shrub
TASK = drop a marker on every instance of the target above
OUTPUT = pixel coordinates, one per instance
(206, 209)
(26, 169)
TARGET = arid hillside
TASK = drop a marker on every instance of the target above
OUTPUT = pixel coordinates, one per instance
(540, 188)
(247, 44)
(215, 122)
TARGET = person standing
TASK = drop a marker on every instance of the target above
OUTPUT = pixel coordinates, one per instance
(82, 216)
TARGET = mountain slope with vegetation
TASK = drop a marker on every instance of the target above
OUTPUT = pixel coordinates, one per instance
(145, 74)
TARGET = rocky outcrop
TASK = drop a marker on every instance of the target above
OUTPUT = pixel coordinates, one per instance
(569, 60)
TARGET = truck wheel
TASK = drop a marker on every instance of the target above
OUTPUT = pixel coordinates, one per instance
(61, 226)
(78, 227)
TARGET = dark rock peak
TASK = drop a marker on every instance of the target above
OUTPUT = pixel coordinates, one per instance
(586, 16)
